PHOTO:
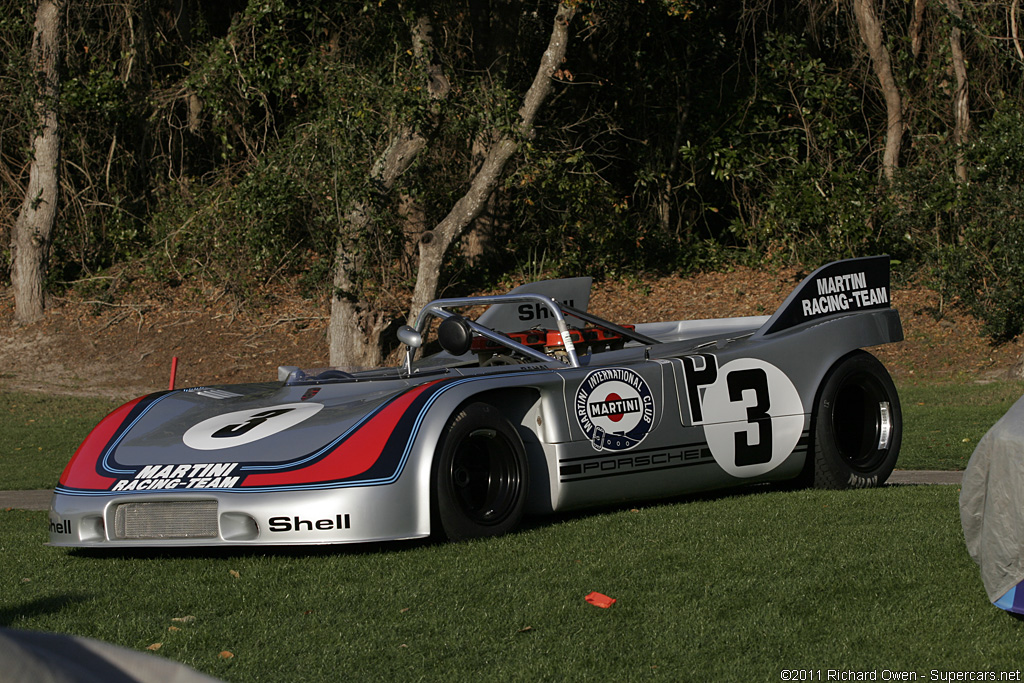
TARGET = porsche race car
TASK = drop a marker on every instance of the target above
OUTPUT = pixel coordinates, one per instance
(532, 406)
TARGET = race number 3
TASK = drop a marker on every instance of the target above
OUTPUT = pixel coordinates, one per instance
(756, 381)
(751, 412)
(234, 430)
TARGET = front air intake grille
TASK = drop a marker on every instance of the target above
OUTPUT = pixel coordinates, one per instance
(166, 519)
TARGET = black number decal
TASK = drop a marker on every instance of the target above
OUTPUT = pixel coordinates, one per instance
(697, 378)
(254, 421)
(756, 380)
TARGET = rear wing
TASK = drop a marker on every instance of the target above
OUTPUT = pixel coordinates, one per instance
(838, 288)
(573, 291)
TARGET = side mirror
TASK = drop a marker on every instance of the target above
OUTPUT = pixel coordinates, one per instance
(410, 337)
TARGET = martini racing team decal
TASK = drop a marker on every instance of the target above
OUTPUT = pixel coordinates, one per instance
(246, 426)
(615, 409)
(214, 475)
(851, 286)
(840, 293)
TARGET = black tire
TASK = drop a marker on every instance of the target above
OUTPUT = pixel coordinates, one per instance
(857, 425)
(480, 475)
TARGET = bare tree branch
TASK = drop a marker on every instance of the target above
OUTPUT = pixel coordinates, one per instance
(871, 34)
(1013, 29)
(434, 243)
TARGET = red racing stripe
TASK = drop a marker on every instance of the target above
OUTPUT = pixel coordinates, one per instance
(81, 471)
(353, 456)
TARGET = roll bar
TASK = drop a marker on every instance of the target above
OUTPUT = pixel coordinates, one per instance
(437, 309)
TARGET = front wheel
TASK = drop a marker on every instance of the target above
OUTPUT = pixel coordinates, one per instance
(858, 425)
(480, 475)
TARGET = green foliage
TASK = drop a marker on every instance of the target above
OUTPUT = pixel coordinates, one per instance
(232, 141)
(301, 122)
(15, 76)
(980, 259)
(16, 119)
(793, 159)
(591, 232)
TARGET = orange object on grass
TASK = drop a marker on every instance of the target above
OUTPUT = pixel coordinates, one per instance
(600, 600)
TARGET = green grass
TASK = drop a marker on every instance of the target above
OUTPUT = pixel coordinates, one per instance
(736, 587)
(733, 587)
(39, 433)
(942, 423)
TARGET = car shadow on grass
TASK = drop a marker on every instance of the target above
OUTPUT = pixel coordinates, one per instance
(51, 604)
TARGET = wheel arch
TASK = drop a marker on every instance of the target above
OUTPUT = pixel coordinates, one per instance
(524, 408)
(809, 474)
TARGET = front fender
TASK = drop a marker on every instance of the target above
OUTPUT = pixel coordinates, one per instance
(520, 396)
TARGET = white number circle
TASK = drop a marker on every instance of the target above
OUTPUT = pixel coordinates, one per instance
(753, 417)
(246, 426)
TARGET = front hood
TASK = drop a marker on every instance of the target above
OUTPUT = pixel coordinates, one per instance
(252, 437)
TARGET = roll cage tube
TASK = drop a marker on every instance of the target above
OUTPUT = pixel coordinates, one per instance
(632, 335)
(437, 309)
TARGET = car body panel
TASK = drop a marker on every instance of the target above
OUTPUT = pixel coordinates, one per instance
(675, 407)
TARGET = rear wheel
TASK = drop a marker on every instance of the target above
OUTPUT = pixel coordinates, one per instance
(480, 475)
(858, 425)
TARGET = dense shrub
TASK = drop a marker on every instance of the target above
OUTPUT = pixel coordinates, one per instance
(227, 141)
(983, 263)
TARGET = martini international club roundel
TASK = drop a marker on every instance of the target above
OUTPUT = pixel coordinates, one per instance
(615, 409)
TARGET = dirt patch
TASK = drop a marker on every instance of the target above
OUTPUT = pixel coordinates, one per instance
(123, 350)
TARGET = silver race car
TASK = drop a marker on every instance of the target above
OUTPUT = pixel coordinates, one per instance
(533, 407)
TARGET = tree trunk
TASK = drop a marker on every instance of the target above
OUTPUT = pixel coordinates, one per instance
(871, 34)
(434, 243)
(961, 103)
(481, 233)
(1013, 30)
(916, 25)
(354, 328)
(30, 237)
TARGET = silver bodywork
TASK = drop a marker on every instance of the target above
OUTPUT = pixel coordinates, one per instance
(676, 407)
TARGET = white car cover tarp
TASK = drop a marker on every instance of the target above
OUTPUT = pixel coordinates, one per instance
(992, 508)
(37, 657)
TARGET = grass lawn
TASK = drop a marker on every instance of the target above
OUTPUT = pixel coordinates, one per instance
(942, 423)
(736, 587)
(731, 587)
(39, 433)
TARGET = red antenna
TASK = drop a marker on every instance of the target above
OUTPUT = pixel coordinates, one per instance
(174, 371)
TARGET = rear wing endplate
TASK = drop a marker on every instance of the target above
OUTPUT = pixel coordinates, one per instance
(838, 288)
